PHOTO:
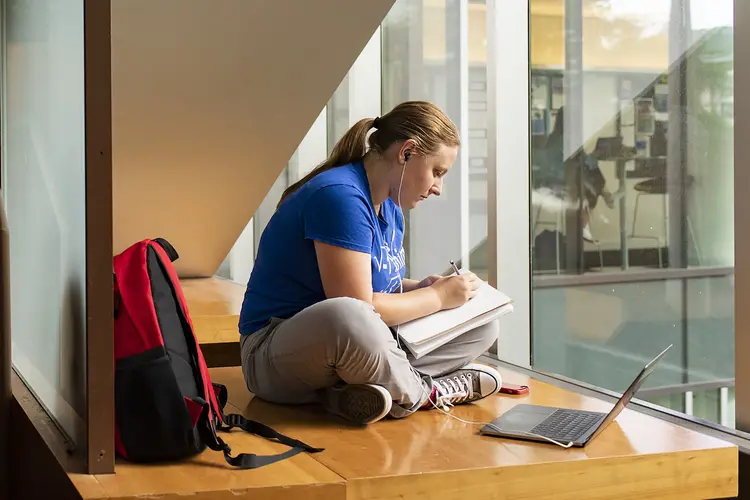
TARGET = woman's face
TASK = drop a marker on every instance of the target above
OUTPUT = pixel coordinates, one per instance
(422, 175)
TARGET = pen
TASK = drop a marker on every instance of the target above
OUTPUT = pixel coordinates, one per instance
(455, 268)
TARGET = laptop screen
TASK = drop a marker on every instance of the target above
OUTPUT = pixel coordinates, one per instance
(630, 391)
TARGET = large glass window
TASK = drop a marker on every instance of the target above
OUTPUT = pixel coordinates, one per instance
(44, 189)
(434, 50)
(630, 178)
(632, 212)
(417, 65)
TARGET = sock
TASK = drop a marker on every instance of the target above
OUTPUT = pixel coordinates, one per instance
(430, 399)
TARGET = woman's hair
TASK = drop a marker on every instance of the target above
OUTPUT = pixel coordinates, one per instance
(420, 121)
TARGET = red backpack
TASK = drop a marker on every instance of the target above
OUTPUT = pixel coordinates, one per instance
(166, 406)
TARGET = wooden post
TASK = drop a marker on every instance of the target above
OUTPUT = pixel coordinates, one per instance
(5, 359)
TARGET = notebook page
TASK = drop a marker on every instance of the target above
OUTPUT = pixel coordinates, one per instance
(427, 346)
(419, 330)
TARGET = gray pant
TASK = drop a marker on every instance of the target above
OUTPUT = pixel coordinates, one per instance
(344, 339)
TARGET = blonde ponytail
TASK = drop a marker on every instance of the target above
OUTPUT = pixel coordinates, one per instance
(350, 148)
(420, 121)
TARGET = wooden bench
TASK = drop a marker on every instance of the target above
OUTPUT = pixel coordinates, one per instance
(214, 305)
(209, 477)
(428, 455)
(433, 456)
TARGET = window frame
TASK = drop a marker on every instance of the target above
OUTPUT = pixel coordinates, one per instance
(741, 230)
(508, 232)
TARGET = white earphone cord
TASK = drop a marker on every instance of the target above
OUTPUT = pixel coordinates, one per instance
(423, 386)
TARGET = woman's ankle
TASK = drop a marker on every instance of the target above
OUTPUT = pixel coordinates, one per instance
(429, 403)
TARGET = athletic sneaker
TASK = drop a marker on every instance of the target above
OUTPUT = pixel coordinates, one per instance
(587, 235)
(361, 404)
(470, 383)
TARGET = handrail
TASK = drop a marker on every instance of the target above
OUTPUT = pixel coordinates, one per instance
(631, 276)
(666, 390)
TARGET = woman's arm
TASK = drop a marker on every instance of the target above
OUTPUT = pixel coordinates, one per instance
(409, 285)
(398, 308)
(346, 273)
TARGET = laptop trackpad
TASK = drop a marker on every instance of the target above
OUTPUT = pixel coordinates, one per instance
(523, 417)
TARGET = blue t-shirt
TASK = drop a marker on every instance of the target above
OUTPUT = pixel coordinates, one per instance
(334, 207)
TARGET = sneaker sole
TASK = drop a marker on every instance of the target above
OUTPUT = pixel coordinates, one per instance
(365, 404)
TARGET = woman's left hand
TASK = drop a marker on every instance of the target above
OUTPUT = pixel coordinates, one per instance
(429, 280)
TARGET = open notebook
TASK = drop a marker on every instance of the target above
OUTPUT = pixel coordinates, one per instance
(423, 335)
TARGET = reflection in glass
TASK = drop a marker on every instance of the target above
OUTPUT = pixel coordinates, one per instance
(421, 59)
(601, 334)
(634, 176)
(632, 130)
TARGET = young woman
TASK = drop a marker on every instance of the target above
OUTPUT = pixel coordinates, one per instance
(328, 282)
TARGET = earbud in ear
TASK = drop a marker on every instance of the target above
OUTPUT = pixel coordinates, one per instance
(407, 155)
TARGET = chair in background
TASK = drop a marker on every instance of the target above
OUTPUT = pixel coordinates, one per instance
(658, 186)
(559, 227)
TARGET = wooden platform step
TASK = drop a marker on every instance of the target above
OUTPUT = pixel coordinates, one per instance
(214, 305)
(433, 456)
(427, 456)
(208, 477)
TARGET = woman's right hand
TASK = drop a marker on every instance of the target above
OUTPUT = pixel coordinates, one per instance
(455, 291)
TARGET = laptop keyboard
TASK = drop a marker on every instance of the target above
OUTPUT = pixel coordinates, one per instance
(566, 425)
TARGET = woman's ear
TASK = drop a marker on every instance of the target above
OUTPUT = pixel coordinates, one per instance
(406, 150)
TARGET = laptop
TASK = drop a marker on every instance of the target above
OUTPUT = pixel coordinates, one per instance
(561, 425)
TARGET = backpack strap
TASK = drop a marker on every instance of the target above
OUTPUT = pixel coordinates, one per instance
(228, 422)
(116, 293)
(251, 460)
(207, 429)
(220, 391)
(262, 430)
(168, 248)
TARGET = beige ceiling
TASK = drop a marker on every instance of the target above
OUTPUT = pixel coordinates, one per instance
(209, 102)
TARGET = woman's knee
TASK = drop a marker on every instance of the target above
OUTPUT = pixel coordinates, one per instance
(486, 335)
(353, 322)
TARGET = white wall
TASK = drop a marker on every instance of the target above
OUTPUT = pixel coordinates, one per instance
(43, 183)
